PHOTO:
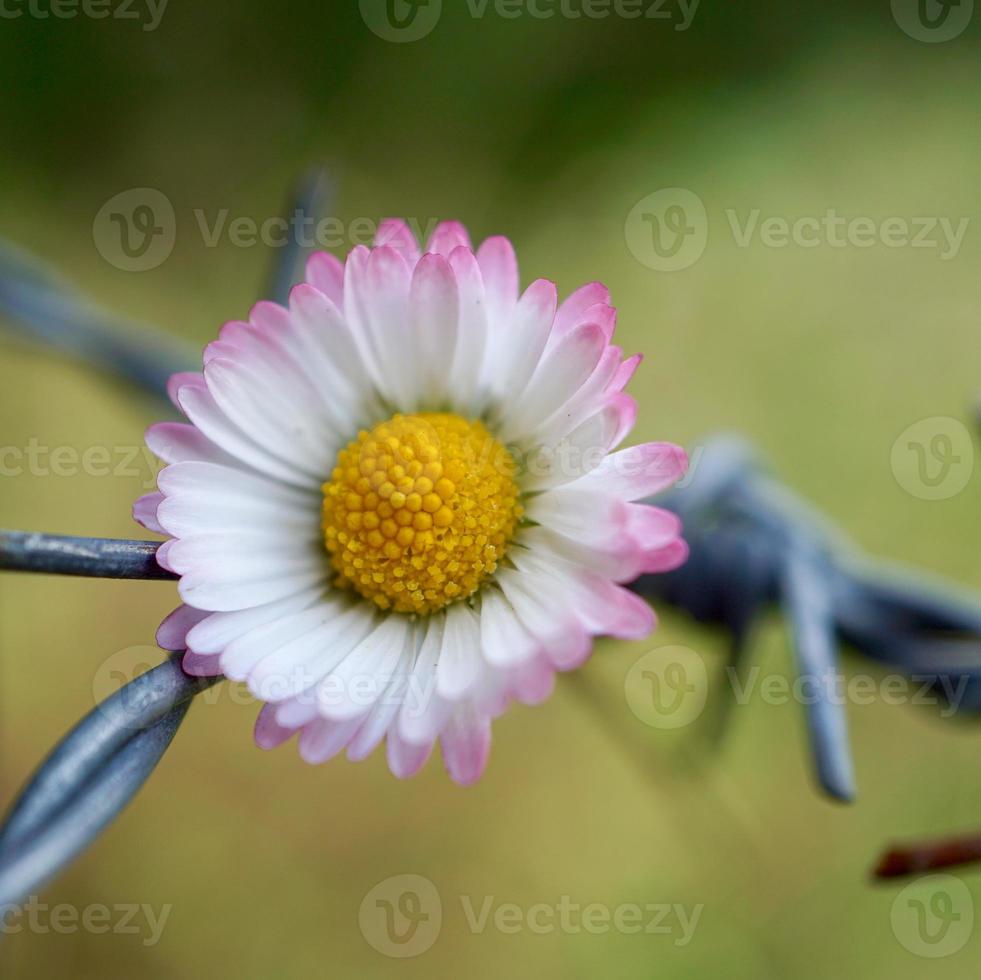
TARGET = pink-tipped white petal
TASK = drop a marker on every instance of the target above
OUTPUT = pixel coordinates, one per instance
(145, 512)
(172, 632)
(326, 273)
(465, 383)
(499, 271)
(447, 236)
(638, 472)
(518, 349)
(459, 660)
(434, 310)
(465, 743)
(269, 734)
(559, 375)
(405, 759)
(398, 235)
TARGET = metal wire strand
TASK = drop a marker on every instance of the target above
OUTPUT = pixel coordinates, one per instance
(90, 777)
(755, 545)
(44, 309)
(59, 554)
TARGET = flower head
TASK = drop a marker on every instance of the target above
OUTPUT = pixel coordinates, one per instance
(397, 507)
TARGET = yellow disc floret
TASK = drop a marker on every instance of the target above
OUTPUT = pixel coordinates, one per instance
(420, 510)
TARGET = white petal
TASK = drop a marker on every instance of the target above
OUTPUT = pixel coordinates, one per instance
(638, 472)
(459, 658)
(322, 739)
(588, 516)
(424, 710)
(559, 375)
(200, 407)
(518, 349)
(404, 758)
(145, 512)
(331, 354)
(191, 513)
(297, 666)
(381, 718)
(434, 309)
(220, 629)
(383, 294)
(466, 374)
(325, 272)
(208, 588)
(577, 454)
(356, 684)
(175, 442)
(499, 272)
(242, 655)
(504, 641)
(466, 745)
(295, 431)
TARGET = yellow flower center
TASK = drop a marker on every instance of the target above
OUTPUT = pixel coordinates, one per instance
(419, 511)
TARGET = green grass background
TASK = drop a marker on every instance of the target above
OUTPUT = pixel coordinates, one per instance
(549, 132)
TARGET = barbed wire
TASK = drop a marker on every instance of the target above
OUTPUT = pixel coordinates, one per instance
(754, 545)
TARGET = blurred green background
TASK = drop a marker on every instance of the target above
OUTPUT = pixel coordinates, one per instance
(549, 131)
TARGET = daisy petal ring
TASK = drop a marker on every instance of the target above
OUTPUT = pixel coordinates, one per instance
(399, 505)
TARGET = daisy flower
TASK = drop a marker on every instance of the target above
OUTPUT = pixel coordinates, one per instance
(398, 506)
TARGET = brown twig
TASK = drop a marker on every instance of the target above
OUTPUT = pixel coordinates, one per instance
(913, 859)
